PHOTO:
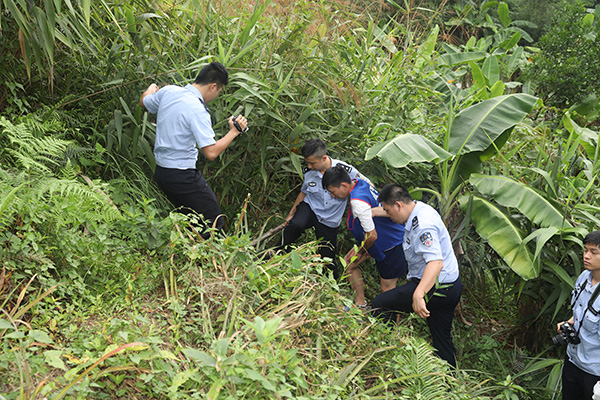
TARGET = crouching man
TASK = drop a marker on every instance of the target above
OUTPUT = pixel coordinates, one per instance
(433, 287)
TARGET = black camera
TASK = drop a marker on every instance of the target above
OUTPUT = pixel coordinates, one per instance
(238, 126)
(567, 335)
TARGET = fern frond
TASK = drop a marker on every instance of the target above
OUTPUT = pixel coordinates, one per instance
(74, 151)
(27, 163)
(5, 205)
(428, 378)
(32, 153)
(70, 171)
(81, 203)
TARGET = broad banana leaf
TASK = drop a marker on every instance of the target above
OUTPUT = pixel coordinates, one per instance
(502, 235)
(503, 14)
(491, 70)
(511, 193)
(476, 127)
(587, 137)
(470, 163)
(513, 60)
(444, 84)
(407, 148)
(460, 58)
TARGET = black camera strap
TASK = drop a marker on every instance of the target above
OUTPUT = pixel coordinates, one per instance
(206, 108)
(593, 299)
(204, 104)
(590, 305)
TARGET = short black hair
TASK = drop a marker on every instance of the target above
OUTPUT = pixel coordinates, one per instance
(314, 147)
(334, 176)
(392, 193)
(592, 238)
(213, 73)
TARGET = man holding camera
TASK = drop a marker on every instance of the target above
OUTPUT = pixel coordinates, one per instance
(183, 124)
(581, 369)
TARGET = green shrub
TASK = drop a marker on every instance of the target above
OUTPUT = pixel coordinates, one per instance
(566, 70)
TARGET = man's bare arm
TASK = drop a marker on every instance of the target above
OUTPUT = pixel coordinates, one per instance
(153, 88)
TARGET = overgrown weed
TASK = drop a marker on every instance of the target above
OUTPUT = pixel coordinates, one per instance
(217, 321)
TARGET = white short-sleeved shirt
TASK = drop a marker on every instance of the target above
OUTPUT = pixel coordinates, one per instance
(183, 124)
(427, 239)
(364, 213)
(328, 209)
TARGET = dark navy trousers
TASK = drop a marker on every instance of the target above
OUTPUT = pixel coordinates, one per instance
(441, 303)
(188, 191)
(577, 384)
(305, 218)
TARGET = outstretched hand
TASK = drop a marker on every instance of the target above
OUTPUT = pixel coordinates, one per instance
(354, 259)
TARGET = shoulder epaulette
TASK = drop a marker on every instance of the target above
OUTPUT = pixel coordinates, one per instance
(415, 222)
(345, 166)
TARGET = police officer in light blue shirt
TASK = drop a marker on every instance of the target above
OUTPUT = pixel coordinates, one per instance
(433, 288)
(183, 125)
(314, 206)
(427, 240)
(581, 370)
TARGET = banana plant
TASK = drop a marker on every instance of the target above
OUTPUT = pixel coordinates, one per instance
(472, 136)
(537, 216)
(485, 66)
(495, 194)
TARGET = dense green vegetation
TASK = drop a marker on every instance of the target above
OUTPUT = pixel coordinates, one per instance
(106, 294)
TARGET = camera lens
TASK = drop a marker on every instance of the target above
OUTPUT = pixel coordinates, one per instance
(559, 340)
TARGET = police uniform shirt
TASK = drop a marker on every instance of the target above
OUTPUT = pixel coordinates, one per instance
(182, 123)
(427, 239)
(329, 210)
(586, 355)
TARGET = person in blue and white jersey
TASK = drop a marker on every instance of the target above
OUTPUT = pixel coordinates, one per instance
(378, 237)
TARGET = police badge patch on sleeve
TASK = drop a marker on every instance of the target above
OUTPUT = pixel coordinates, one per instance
(426, 239)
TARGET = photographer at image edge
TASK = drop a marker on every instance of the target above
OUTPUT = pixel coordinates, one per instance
(581, 333)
